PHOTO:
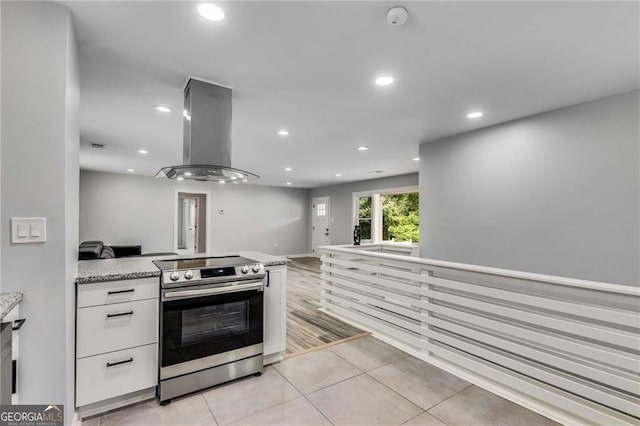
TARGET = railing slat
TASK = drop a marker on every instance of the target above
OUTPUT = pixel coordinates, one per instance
(608, 315)
(625, 383)
(604, 355)
(411, 276)
(615, 337)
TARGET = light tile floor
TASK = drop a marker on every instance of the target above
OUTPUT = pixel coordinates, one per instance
(362, 382)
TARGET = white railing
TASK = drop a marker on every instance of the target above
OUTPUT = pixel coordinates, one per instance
(568, 349)
(404, 249)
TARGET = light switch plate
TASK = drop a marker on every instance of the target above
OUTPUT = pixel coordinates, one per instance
(28, 230)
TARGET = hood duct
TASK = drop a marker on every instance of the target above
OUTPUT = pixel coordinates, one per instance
(207, 136)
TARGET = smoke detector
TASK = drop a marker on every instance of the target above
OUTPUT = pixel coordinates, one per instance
(397, 16)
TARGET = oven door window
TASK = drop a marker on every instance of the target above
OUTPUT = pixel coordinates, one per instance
(200, 327)
(210, 322)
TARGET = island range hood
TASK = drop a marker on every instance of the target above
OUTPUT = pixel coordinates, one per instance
(207, 136)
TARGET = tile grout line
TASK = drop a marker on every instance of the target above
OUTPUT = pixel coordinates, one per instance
(417, 415)
(324, 387)
(444, 400)
(209, 408)
(319, 410)
(383, 365)
(303, 395)
(397, 393)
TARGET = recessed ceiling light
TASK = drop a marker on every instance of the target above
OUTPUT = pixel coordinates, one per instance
(221, 182)
(288, 183)
(384, 80)
(143, 151)
(474, 114)
(187, 173)
(416, 159)
(163, 108)
(180, 178)
(130, 170)
(245, 180)
(210, 12)
(363, 148)
(283, 132)
(338, 174)
(233, 178)
(287, 169)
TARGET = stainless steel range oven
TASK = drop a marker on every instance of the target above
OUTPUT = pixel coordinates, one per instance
(211, 327)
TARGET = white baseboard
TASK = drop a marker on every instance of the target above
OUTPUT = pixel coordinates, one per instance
(75, 420)
(273, 358)
(293, 256)
(114, 403)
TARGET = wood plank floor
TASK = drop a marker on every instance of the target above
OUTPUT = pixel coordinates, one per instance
(307, 327)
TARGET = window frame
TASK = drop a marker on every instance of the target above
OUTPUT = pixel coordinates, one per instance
(376, 209)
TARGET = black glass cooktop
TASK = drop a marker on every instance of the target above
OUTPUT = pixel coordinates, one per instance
(202, 262)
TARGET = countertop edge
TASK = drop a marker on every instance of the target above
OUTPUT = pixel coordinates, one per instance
(94, 279)
(9, 301)
(116, 277)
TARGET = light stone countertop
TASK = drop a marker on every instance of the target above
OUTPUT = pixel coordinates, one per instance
(127, 268)
(9, 301)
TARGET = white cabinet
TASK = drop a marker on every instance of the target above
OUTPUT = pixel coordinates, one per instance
(113, 374)
(13, 317)
(275, 311)
(116, 342)
(108, 328)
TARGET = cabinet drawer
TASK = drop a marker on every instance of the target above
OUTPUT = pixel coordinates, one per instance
(118, 326)
(97, 378)
(117, 291)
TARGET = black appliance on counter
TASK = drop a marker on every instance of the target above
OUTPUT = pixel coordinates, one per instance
(211, 322)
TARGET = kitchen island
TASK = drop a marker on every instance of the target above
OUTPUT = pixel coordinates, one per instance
(118, 333)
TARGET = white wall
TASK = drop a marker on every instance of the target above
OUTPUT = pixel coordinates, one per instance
(71, 199)
(40, 178)
(556, 193)
(342, 203)
(127, 209)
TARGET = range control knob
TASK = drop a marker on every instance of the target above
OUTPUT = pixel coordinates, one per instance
(244, 269)
(255, 268)
(174, 276)
(188, 275)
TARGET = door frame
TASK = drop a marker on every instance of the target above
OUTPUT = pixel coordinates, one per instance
(314, 200)
(207, 196)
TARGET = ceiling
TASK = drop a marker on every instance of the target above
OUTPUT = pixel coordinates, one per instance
(310, 67)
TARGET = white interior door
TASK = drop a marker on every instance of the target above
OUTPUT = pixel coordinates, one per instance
(192, 217)
(191, 214)
(320, 223)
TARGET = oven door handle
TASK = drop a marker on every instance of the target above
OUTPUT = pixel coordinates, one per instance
(172, 294)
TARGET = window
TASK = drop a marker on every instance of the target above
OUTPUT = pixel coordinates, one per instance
(388, 215)
(364, 217)
(321, 209)
(400, 213)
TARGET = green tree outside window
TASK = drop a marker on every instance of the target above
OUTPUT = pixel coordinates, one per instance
(400, 217)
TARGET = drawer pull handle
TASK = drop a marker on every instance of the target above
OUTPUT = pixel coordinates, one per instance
(120, 315)
(126, 361)
(120, 291)
(17, 325)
